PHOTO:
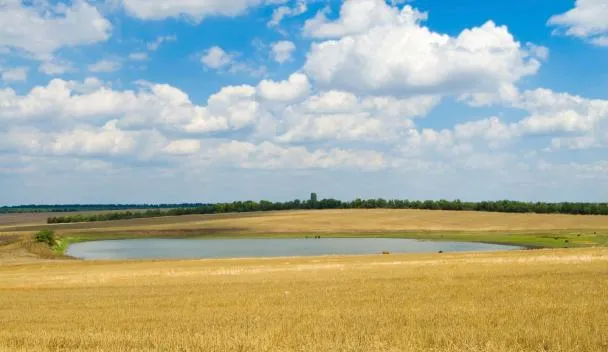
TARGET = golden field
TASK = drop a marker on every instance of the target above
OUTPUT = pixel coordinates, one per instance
(346, 220)
(542, 300)
(538, 300)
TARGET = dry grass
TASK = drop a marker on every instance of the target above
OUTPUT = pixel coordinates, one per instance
(7, 220)
(352, 220)
(549, 300)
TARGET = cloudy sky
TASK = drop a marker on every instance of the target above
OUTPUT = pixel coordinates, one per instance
(217, 100)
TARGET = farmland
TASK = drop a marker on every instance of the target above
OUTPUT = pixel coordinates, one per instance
(533, 230)
(546, 300)
(542, 300)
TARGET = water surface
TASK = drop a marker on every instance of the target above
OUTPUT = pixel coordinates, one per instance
(249, 248)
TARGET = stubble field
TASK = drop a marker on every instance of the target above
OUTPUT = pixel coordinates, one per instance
(545, 300)
(540, 300)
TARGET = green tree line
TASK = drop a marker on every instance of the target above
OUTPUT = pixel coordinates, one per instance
(503, 206)
(34, 208)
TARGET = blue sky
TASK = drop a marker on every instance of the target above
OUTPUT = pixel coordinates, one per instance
(219, 100)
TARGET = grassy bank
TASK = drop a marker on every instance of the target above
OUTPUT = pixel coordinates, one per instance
(565, 239)
(546, 300)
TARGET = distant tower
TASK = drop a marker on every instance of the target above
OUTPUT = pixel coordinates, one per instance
(313, 200)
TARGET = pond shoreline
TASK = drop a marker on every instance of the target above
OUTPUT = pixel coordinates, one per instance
(158, 248)
(527, 240)
(65, 242)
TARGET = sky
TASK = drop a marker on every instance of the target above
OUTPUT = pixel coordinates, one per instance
(154, 101)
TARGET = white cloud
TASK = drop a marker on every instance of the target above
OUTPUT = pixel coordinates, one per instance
(359, 16)
(285, 11)
(282, 51)
(17, 74)
(342, 116)
(573, 121)
(183, 147)
(561, 113)
(154, 45)
(158, 118)
(336, 127)
(236, 105)
(46, 27)
(138, 56)
(90, 141)
(196, 10)
(588, 20)
(491, 129)
(85, 141)
(105, 66)
(55, 67)
(391, 53)
(216, 58)
(271, 156)
(564, 121)
(296, 87)
(62, 104)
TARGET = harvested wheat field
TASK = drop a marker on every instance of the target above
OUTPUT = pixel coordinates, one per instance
(347, 220)
(544, 300)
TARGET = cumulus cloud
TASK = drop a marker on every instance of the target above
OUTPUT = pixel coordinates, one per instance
(62, 103)
(282, 51)
(587, 20)
(89, 118)
(391, 53)
(47, 27)
(296, 87)
(216, 58)
(573, 122)
(84, 141)
(371, 74)
(359, 16)
(285, 11)
(582, 123)
(342, 116)
(17, 74)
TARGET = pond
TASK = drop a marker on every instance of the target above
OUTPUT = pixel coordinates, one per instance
(251, 248)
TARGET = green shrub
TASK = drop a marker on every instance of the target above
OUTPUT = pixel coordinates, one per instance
(46, 236)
